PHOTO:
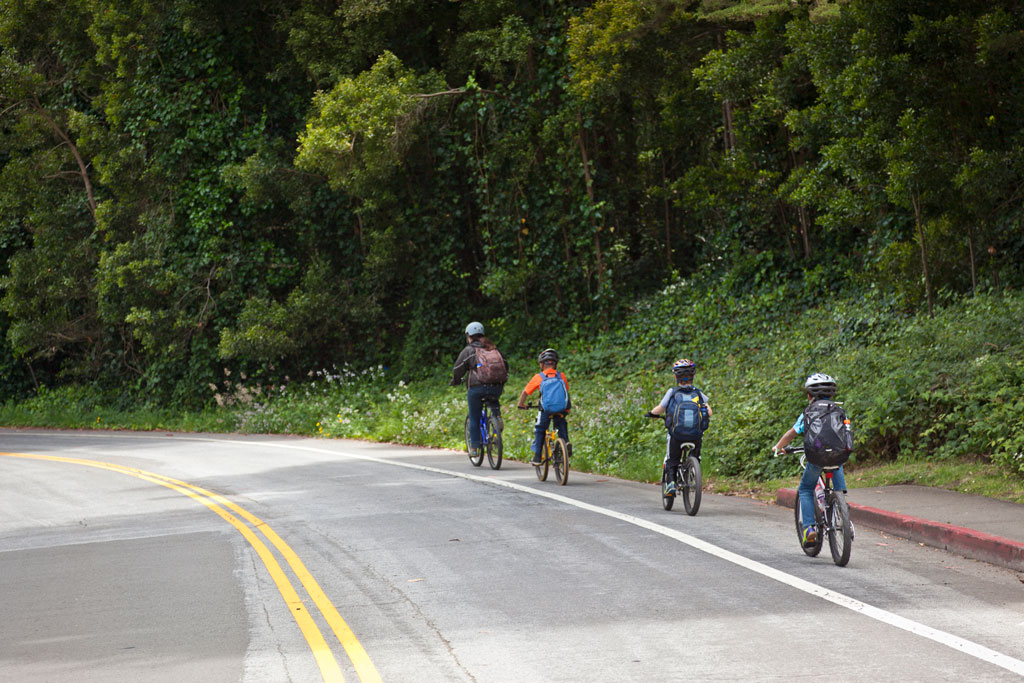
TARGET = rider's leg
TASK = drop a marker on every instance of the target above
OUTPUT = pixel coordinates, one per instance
(839, 480)
(806, 492)
(673, 454)
(495, 404)
(539, 428)
(696, 447)
(474, 397)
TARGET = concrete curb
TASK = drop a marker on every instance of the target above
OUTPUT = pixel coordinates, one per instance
(961, 540)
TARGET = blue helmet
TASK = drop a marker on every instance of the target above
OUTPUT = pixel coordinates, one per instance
(474, 329)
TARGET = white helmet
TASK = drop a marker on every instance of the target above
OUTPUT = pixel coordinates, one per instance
(820, 385)
(474, 329)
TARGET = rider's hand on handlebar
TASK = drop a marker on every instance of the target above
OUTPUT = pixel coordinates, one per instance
(650, 414)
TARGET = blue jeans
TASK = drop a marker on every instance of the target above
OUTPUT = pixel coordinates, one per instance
(541, 426)
(806, 490)
(475, 397)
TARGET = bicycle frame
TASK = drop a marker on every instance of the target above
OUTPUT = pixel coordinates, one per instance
(553, 442)
(485, 434)
(835, 523)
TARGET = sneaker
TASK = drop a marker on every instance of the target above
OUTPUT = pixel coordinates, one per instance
(536, 462)
(568, 450)
(670, 488)
(810, 535)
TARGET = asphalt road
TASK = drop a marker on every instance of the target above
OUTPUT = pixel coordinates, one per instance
(158, 557)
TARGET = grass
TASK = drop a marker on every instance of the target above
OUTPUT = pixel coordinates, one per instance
(967, 476)
(935, 401)
(428, 414)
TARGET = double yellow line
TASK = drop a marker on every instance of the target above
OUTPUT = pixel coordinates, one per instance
(325, 659)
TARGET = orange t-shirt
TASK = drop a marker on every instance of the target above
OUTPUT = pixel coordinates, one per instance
(534, 382)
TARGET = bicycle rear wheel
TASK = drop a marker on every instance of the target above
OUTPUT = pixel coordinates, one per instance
(840, 535)
(692, 485)
(494, 445)
(560, 461)
(477, 459)
(666, 501)
(541, 470)
(815, 548)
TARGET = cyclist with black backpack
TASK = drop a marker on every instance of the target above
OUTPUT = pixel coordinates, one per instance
(687, 416)
(484, 369)
(828, 442)
(554, 402)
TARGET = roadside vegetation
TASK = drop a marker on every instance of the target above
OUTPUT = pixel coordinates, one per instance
(934, 399)
(280, 217)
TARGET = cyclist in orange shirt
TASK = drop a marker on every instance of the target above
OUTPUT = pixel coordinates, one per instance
(554, 401)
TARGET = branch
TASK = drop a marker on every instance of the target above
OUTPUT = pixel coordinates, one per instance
(458, 91)
(82, 167)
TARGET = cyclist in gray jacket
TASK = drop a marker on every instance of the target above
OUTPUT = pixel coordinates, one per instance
(485, 370)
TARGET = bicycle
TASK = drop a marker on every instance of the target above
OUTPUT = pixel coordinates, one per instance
(490, 438)
(831, 514)
(688, 478)
(554, 452)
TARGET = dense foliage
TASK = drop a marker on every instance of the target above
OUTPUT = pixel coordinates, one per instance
(194, 192)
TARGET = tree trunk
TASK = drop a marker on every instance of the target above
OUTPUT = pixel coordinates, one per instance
(729, 135)
(599, 262)
(668, 221)
(924, 253)
(805, 229)
(970, 254)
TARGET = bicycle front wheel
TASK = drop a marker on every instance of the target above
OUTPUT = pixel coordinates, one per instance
(541, 470)
(494, 446)
(693, 484)
(840, 534)
(479, 457)
(815, 548)
(560, 461)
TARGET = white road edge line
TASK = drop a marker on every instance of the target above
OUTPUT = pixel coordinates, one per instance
(943, 638)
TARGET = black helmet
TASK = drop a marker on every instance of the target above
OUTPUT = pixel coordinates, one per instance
(820, 385)
(548, 356)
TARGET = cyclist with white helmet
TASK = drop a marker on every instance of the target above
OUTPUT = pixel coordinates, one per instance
(484, 370)
(684, 370)
(818, 386)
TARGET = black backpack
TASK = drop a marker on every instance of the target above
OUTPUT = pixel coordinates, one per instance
(828, 439)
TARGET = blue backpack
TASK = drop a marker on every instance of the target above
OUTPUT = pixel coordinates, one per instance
(553, 396)
(687, 414)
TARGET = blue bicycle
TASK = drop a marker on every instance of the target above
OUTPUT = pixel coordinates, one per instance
(490, 437)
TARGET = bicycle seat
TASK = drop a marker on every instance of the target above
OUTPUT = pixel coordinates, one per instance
(688, 444)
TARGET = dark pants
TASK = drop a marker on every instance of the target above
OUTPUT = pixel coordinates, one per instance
(675, 451)
(543, 420)
(475, 397)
